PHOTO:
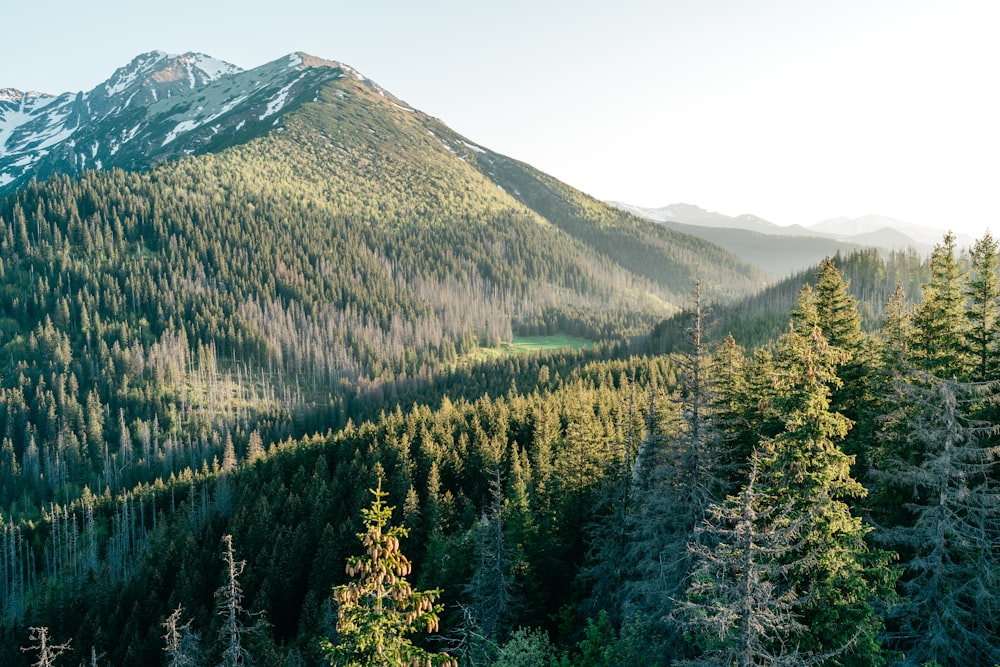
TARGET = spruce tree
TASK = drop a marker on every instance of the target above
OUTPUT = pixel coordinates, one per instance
(938, 342)
(982, 290)
(377, 612)
(838, 318)
(940, 462)
(832, 570)
(492, 590)
(680, 476)
(738, 609)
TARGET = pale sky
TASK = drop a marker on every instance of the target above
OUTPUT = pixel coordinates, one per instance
(792, 110)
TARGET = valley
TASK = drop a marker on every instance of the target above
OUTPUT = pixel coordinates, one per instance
(265, 332)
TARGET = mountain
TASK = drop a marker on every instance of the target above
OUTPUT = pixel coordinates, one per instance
(200, 264)
(292, 251)
(783, 250)
(696, 216)
(776, 250)
(324, 249)
(777, 255)
(157, 107)
(162, 107)
(871, 226)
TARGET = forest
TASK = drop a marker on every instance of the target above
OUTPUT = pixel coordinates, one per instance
(827, 498)
(249, 415)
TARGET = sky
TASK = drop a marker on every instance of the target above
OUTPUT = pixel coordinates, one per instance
(795, 111)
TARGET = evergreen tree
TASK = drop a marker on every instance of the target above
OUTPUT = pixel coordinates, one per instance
(738, 609)
(982, 290)
(833, 570)
(838, 318)
(377, 612)
(938, 342)
(681, 478)
(896, 333)
(940, 462)
(836, 309)
(492, 589)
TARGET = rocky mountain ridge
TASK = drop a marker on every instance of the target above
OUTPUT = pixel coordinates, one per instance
(157, 107)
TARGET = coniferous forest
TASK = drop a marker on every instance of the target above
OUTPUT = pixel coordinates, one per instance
(261, 406)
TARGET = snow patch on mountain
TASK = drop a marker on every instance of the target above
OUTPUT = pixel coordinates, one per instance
(278, 101)
(156, 107)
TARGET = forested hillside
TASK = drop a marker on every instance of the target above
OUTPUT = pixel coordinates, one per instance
(209, 365)
(281, 286)
(758, 320)
(831, 501)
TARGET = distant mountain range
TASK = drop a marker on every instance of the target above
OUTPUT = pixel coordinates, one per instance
(782, 250)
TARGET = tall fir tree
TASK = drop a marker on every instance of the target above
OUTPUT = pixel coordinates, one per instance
(938, 343)
(982, 289)
(681, 475)
(939, 465)
(838, 318)
(833, 570)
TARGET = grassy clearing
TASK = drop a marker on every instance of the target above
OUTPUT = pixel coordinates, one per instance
(531, 345)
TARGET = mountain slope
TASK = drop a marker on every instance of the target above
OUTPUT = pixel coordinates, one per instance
(778, 256)
(287, 283)
(160, 107)
(157, 107)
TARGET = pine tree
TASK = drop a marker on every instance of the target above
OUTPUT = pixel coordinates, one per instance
(982, 290)
(377, 612)
(940, 462)
(833, 571)
(938, 342)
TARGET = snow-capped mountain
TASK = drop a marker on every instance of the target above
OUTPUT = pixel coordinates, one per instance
(156, 107)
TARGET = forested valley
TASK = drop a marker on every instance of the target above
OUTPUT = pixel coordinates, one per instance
(264, 406)
(828, 498)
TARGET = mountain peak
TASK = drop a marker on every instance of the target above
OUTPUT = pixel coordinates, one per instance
(15, 95)
(161, 74)
(158, 106)
(307, 60)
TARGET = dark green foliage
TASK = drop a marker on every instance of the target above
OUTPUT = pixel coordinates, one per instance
(938, 463)
(983, 292)
(169, 338)
(938, 344)
(285, 285)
